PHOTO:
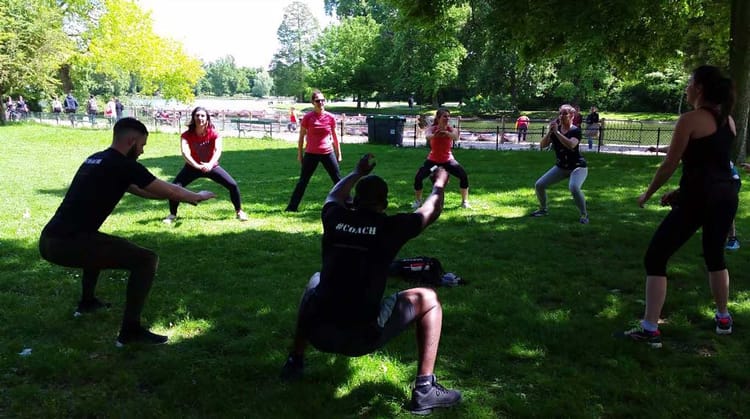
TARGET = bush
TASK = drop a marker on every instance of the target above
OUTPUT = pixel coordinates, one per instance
(485, 106)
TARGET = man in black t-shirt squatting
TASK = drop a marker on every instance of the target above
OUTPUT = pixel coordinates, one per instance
(72, 237)
(343, 310)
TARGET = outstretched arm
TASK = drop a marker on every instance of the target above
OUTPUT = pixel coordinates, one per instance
(433, 205)
(159, 189)
(342, 190)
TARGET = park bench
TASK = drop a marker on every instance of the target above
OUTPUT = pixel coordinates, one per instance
(250, 124)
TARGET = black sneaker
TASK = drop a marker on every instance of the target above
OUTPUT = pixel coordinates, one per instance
(139, 335)
(430, 395)
(90, 306)
(723, 325)
(293, 368)
(539, 213)
(639, 334)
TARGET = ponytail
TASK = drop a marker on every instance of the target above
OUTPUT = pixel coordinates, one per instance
(717, 90)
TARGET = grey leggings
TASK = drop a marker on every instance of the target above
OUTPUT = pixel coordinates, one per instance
(555, 174)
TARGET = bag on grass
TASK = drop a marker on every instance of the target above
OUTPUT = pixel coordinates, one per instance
(424, 270)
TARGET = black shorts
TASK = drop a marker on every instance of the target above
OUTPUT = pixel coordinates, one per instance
(396, 315)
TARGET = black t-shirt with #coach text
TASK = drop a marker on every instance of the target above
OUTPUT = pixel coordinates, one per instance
(566, 158)
(358, 247)
(97, 187)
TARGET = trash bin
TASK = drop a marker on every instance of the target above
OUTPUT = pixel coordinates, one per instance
(385, 129)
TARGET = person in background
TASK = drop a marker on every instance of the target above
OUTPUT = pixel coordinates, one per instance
(577, 118)
(56, 108)
(292, 120)
(71, 106)
(110, 110)
(343, 309)
(119, 108)
(522, 126)
(565, 139)
(322, 146)
(440, 137)
(72, 237)
(201, 147)
(592, 126)
(91, 109)
(707, 198)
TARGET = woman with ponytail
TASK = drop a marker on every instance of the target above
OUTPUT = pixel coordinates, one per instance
(707, 198)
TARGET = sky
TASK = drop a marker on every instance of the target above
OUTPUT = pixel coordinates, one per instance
(211, 29)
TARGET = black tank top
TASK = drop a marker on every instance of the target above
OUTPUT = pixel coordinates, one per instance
(705, 162)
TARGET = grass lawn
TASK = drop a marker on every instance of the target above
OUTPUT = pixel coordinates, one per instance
(529, 336)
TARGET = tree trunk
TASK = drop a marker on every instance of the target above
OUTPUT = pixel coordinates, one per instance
(739, 64)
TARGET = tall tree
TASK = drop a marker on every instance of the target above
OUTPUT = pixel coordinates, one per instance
(262, 85)
(123, 48)
(344, 59)
(296, 34)
(32, 47)
(739, 63)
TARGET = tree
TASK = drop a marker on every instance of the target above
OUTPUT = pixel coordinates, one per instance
(262, 85)
(123, 48)
(296, 34)
(32, 48)
(344, 59)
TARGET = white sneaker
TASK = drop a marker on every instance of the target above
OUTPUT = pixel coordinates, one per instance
(241, 215)
(416, 204)
(170, 219)
(465, 204)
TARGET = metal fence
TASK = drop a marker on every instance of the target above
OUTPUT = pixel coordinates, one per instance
(496, 134)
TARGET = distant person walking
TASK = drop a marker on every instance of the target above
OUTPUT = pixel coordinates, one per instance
(592, 126)
(201, 148)
(71, 106)
(119, 108)
(56, 108)
(322, 146)
(91, 109)
(292, 120)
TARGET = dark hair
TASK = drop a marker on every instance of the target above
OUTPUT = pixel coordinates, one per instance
(129, 124)
(717, 89)
(191, 124)
(438, 113)
(315, 92)
(371, 192)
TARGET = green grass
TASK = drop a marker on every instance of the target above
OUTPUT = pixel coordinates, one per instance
(528, 337)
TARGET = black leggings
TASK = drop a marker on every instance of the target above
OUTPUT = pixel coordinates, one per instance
(714, 213)
(309, 164)
(96, 251)
(451, 166)
(188, 174)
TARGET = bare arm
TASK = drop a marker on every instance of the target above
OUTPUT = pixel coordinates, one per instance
(433, 205)
(158, 189)
(301, 142)
(680, 137)
(569, 143)
(336, 145)
(342, 190)
(185, 148)
(218, 147)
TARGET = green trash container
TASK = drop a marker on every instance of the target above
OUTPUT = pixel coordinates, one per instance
(385, 129)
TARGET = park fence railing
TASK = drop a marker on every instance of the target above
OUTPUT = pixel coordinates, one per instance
(498, 134)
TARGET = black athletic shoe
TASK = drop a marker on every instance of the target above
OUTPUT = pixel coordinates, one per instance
(139, 335)
(430, 395)
(90, 306)
(293, 368)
